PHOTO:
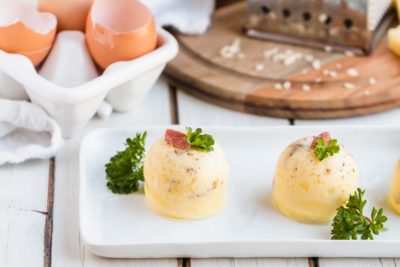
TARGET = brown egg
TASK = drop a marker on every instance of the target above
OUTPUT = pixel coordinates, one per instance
(71, 14)
(25, 31)
(119, 31)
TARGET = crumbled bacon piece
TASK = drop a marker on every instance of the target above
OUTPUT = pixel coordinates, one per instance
(176, 139)
(324, 135)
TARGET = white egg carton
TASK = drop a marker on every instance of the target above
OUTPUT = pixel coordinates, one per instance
(124, 84)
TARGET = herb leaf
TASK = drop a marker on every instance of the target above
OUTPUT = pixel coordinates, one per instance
(199, 141)
(125, 170)
(350, 222)
(324, 149)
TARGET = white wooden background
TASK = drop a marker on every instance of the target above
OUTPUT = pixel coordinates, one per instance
(39, 198)
(39, 225)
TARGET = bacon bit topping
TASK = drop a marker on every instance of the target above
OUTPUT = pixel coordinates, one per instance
(324, 135)
(176, 139)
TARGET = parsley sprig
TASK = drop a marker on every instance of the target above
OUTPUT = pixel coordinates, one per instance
(350, 222)
(324, 149)
(125, 170)
(198, 140)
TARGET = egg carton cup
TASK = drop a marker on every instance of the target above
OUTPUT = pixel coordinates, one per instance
(123, 83)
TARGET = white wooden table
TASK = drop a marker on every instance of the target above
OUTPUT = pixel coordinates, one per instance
(39, 199)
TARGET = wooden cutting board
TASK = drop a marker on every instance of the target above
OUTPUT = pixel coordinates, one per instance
(237, 84)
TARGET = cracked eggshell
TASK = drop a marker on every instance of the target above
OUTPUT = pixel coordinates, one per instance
(119, 31)
(69, 63)
(25, 31)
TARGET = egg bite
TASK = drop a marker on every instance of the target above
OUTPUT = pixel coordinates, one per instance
(182, 181)
(394, 192)
(308, 188)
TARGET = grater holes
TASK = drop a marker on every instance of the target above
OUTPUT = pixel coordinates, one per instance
(286, 13)
(328, 20)
(265, 9)
(348, 23)
(307, 16)
(325, 19)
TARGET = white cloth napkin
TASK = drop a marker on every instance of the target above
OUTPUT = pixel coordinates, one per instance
(188, 16)
(26, 132)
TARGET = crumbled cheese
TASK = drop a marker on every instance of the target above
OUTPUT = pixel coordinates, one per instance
(318, 80)
(322, 18)
(289, 61)
(333, 74)
(316, 64)
(278, 86)
(372, 81)
(287, 57)
(328, 49)
(330, 73)
(305, 87)
(366, 92)
(229, 51)
(304, 72)
(338, 66)
(241, 55)
(352, 72)
(349, 86)
(269, 53)
(287, 85)
(309, 58)
(349, 53)
(259, 67)
(226, 53)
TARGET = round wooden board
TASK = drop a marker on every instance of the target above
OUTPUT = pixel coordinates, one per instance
(235, 83)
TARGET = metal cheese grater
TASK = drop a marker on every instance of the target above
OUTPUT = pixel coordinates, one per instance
(354, 25)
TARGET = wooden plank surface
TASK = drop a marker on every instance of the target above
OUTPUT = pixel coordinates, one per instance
(23, 210)
(68, 249)
(391, 117)
(274, 262)
(354, 262)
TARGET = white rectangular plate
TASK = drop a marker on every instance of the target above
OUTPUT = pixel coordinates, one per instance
(124, 226)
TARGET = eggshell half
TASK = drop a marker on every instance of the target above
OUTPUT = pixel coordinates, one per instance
(25, 31)
(71, 14)
(119, 31)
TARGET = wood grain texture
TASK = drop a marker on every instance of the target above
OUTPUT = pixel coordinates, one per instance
(275, 262)
(68, 249)
(391, 117)
(354, 262)
(193, 111)
(23, 208)
(236, 84)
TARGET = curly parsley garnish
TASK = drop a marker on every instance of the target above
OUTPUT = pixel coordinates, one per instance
(125, 169)
(350, 222)
(198, 140)
(325, 148)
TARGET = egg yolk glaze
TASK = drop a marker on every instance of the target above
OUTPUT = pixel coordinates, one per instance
(394, 193)
(185, 183)
(308, 190)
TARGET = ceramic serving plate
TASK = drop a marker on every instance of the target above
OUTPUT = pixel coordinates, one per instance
(124, 226)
